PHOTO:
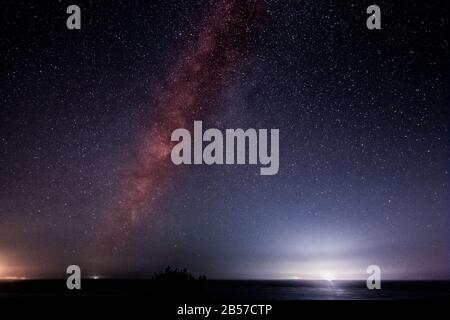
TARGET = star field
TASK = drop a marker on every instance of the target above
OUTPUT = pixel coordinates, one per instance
(363, 120)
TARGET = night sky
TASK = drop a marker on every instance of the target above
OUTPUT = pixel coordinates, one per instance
(86, 117)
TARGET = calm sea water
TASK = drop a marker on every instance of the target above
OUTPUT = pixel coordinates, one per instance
(325, 290)
(240, 290)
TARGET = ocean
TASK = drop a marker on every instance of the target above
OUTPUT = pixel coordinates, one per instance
(220, 290)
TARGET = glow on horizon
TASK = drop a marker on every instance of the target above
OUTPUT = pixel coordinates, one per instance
(328, 276)
(8, 271)
(9, 278)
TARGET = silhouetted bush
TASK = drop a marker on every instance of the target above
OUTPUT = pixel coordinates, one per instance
(179, 283)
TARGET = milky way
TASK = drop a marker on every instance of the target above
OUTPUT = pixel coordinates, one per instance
(204, 68)
(86, 118)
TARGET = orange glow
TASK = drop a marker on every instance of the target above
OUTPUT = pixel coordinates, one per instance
(9, 271)
(12, 278)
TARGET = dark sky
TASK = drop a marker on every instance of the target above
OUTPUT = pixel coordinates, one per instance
(86, 116)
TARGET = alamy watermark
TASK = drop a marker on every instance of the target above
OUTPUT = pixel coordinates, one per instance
(190, 150)
(374, 280)
(74, 279)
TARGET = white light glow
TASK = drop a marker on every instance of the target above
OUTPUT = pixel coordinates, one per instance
(328, 276)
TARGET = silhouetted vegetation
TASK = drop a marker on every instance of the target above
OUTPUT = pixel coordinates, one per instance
(179, 283)
(176, 275)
